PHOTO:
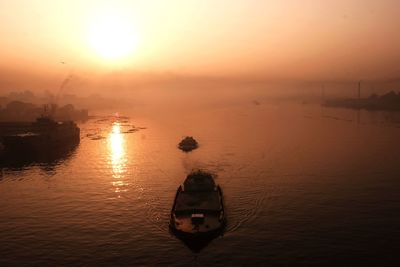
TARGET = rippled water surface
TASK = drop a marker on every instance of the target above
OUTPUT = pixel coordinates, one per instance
(302, 185)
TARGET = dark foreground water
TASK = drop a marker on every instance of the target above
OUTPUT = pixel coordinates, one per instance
(303, 186)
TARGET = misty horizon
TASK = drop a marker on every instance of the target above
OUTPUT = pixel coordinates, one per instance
(199, 133)
(235, 42)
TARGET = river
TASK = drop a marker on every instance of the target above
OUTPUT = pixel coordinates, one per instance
(303, 185)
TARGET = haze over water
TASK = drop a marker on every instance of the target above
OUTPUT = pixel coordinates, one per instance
(250, 80)
(110, 45)
(302, 185)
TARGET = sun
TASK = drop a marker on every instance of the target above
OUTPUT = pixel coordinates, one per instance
(112, 35)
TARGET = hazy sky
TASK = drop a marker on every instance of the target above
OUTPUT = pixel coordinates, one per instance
(276, 39)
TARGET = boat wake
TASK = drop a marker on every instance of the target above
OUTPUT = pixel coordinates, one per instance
(244, 204)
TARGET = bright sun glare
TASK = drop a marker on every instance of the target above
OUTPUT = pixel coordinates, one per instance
(111, 34)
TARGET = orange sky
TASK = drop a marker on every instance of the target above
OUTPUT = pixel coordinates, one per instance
(292, 39)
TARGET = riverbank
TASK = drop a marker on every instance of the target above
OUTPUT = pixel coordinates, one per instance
(386, 102)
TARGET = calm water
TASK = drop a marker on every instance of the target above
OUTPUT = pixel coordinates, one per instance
(303, 186)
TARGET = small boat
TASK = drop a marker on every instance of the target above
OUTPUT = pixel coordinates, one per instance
(188, 144)
(198, 215)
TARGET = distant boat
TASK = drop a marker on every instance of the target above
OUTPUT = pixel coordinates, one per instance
(39, 137)
(188, 144)
(198, 214)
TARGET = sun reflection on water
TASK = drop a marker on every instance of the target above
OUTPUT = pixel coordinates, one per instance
(118, 157)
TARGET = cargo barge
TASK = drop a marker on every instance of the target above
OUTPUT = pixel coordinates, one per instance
(42, 136)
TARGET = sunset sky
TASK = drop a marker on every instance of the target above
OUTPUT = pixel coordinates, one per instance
(292, 39)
